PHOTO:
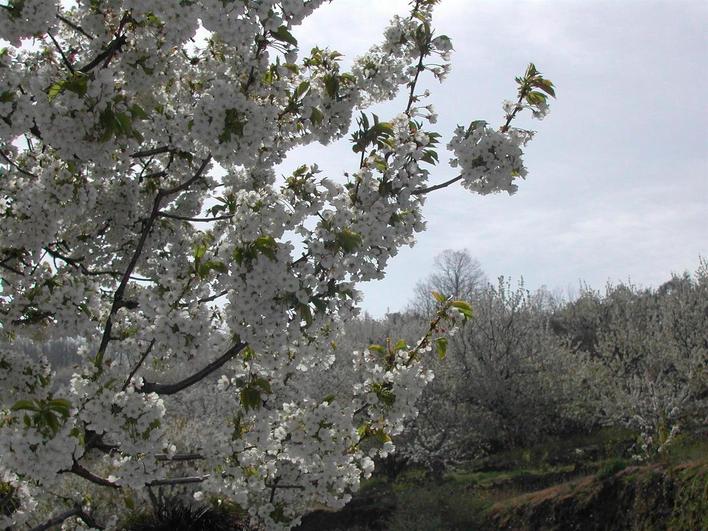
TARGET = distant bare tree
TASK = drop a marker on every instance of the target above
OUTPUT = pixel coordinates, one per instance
(456, 274)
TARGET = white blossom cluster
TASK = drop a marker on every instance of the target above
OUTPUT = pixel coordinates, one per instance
(141, 215)
(15, 494)
(489, 160)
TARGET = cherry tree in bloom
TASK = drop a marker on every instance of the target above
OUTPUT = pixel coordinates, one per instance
(142, 217)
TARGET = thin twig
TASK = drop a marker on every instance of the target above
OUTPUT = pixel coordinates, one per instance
(12, 269)
(137, 365)
(114, 46)
(178, 481)
(75, 27)
(421, 191)
(14, 165)
(180, 457)
(198, 220)
(77, 263)
(64, 58)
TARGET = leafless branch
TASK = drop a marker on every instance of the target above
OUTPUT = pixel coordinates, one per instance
(178, 481)
(80, 471)
(64, 58)
(171, 389)
(77, 263)
(137, 365)
(421, 191)
(147, 227)
(75, 27)
(151, 152)
(14, 165)
(12, 269)
(111, 49)
(198, 220)
(179, 457)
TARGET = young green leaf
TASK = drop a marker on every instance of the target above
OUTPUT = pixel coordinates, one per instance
(282, 34)
(439, 296)
(441, 347)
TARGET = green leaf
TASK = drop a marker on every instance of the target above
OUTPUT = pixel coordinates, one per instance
(54, 90)
(138, 112)
(152, 20)
(534, 97)
(384, 393)
(545, 85)
(430, 156)
(301, 89)
(362, 430)
(377, 348)
(331, 85)
(248, 353)
(305, 313)
(250, 398)
(199, 251)
(439, 296)
(316, 116)
(28, 405)
(463, 307)
(267, 245)
(329, 399)
(320, 305)
(263, 384)
(400, 345)
(61, 406)
(211, 265)
(282, 34)
(474, 125)
(77, 83)
(441, 347)
(381, 436)
(348, 240)
(106, 124)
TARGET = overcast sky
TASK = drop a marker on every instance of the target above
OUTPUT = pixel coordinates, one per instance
(618, 183)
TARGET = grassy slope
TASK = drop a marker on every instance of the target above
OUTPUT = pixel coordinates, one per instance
(584, 483)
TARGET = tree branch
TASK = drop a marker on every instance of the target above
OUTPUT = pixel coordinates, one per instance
(150, 152)
(137, 365)
(14, 165)
(171, 389)
(113, 47)
(421, 191)
(147, 227)
(180, 457)
(11, 269)
(75, 27)
(198, 220)
(64, 58)
(76, 263)
(178, 481)
(80, 471)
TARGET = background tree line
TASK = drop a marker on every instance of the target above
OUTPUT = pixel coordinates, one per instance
(531, 366)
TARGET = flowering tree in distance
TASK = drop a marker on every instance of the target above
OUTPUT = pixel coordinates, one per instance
(141, 216)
